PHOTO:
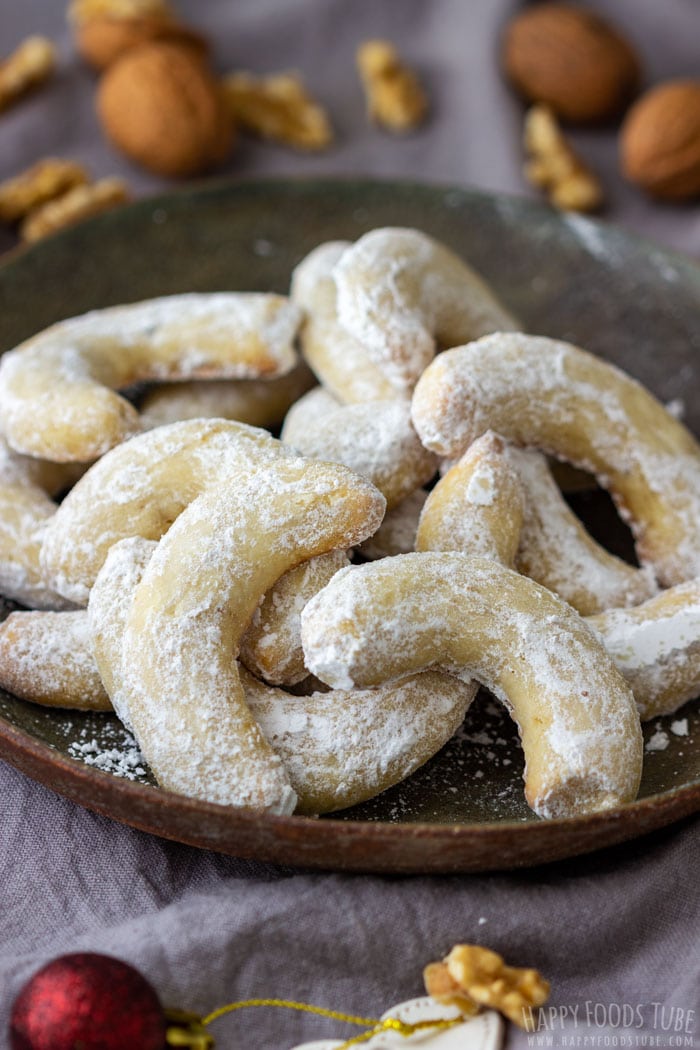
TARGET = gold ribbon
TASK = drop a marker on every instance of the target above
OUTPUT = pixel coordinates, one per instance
(190, 1030)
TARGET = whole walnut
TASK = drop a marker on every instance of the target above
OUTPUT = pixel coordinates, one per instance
(660, 141)
(160, 105)
(102, 40)
(572, 60)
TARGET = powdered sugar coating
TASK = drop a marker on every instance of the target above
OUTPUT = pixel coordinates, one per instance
(46, 657)
(306, 412)
(57, 395)
(139, 489)
(258, 402)
(338, 748)
(345, 746)
(502, 502)
(556, 551)
(108, 610)
(548, 394)
(377, 440)
(271, 646)
(339, 361)
(198, 593)
(579, 726)
(400, 292)
(26, 486)
(656, 646)
(477, 506)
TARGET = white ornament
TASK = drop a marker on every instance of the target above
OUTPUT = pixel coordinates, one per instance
(483, 1032)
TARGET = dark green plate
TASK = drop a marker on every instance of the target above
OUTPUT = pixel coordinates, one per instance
(615, 294)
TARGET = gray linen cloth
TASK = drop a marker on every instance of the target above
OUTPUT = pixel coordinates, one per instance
(617, 927)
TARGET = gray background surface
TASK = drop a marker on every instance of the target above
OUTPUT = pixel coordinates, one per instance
(474, 136)
(617, 927)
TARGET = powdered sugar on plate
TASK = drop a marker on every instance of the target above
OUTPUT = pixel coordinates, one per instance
(121, 761)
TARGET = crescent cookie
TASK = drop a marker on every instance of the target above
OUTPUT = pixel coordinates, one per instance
(400, 293)
(258, 402)
(108, 610)
(548, 394)
(47, 657)
(339, 747)
(198, 593)
(576, 714)
(139, 488)
(339, 361)
(57, 390)
(271, 646)
(502, 502)
(656, 646)
(377, 440)
(477, 507)
(26, 487)
(557, 551)
(345, 746)
(310, 409)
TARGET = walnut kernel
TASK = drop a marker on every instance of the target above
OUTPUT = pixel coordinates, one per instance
(25, 69)
(395, 97)
(277, 107)
(480, 977)
(555, 167)
(44, 181)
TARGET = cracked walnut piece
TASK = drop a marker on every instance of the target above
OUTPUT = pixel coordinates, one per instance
(554, 166)
(279, 108)
(395, 97)
(44, 181)
(25, 69)
(106, 29)
(84, 10)
(471, 977)
(80, 202)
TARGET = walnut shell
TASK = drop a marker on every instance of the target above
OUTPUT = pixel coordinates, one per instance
(660, 141)
(572, 60)
(160, 105)
(102, 40)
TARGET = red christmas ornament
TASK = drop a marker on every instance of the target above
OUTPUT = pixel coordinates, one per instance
(87, 1001)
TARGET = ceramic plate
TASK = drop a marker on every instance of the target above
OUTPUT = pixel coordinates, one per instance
(565, 276)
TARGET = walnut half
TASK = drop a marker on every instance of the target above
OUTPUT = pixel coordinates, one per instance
(555, 167)
(395, 97)
(471, 977)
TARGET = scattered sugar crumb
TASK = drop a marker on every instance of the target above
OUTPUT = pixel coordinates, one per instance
(124, 761)
(680, 727)
(657, 742)
(676, 407)
(481, 920)
(263, 248)
(478, 738)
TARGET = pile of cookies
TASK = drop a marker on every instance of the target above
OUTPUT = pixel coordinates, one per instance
(297, 624)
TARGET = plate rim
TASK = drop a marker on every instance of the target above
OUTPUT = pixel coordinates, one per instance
(221, 184)
(609, 826)
(21, 749)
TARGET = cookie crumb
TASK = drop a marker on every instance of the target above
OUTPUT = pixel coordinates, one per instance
(657, 742)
